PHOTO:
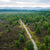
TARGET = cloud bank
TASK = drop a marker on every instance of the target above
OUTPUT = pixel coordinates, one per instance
(24, 3)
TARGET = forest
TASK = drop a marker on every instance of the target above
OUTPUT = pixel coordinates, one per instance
(13, 36)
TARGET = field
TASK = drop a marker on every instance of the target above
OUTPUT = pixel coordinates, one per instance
(14, 37)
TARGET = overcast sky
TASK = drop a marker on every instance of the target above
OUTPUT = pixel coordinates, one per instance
(24, 3)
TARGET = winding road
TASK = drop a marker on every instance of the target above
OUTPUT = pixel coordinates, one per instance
(35, 46)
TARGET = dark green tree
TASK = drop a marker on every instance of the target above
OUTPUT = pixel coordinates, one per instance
(6, 25)
(21, 38)
(38, 29)
(36, 24)
(48, 30)
(45, 25)
(8, 29)
(42, 47)
(46, 40)
(10, 22)
(17, 43)
(29, 45)
(48, 47)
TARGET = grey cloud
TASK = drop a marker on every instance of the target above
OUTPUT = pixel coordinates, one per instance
(36, 2)
(24, 0)
(7, 3)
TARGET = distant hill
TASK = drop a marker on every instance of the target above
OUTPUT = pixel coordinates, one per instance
(24, 9)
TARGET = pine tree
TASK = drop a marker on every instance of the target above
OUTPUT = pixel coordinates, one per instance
(38, 29)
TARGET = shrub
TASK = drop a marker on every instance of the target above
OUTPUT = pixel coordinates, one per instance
(34, 20)
(1, 24)
(25, 48)
(37, 18)
(46, 40)
(48, 24)
(40, 23)
(28, 24)
(10, 22)
(49, 39)
(18, 23)
(17, 26)
(38, 29)
(42, 47)
(36, 26)
(13, 24)
(8, 30)
(48, 30)
(48, 47)
(29, 45)
(6, 25)
(0, 35)
(45, 25)
(22, 31)
(17, 43)
(3, 18)
(21, 38)
(12, 46)
(38, 43)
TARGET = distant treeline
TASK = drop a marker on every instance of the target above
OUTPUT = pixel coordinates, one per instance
(12, 10)
(1, 10)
